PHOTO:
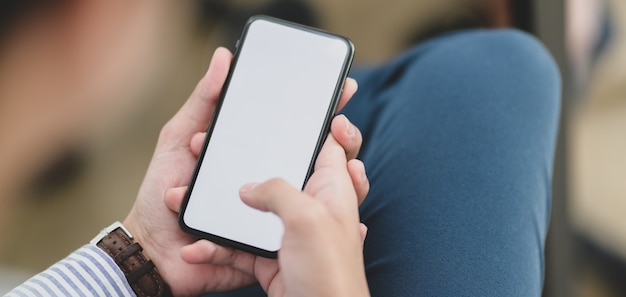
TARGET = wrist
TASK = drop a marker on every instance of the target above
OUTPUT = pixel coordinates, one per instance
(138, 236)
(139, 271)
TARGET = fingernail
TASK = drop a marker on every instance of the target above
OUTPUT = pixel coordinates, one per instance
(363, 173)
(247, 187)
(350, 130)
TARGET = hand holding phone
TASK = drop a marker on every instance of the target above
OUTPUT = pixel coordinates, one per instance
(193, 267)
(321, 251)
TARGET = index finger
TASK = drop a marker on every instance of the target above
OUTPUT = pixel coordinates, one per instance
(332, 155)
(276, 196)
(350, 87)
(195, 114)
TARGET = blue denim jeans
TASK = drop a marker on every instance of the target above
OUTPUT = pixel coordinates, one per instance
(459, 138)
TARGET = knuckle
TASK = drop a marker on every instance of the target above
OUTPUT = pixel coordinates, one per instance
(273, 183)
(167, 132)
(308, 218)
(359, 137)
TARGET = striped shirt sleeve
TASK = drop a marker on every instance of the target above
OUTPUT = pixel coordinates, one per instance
(88, 271)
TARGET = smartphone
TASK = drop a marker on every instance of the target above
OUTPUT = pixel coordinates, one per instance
(273, 116)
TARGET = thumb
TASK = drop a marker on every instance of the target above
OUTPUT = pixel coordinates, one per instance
(274, 195)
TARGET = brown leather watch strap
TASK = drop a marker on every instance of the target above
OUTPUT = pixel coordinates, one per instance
(140, 272)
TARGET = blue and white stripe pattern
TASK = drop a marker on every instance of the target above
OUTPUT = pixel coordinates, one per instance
(88, 271)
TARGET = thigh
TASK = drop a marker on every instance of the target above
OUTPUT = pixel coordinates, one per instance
(459, 140)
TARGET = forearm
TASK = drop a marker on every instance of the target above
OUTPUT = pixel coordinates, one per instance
(87, 271)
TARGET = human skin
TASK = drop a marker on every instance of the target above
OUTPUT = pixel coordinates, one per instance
(153, 220)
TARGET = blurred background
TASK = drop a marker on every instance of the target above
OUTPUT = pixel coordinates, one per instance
(85, 87)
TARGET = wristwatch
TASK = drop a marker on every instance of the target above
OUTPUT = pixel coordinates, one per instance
(140, 272)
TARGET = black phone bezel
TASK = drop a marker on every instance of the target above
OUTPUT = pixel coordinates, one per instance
(322, 137)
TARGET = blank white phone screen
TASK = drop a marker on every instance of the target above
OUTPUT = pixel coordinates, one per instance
(269, 124)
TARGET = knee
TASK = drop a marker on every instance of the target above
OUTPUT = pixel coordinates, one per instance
(499, 55)
(489, 64)
(483, 80)
(517, 65)
(490, 52)
(520, 53)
